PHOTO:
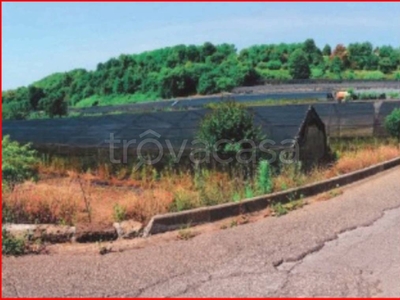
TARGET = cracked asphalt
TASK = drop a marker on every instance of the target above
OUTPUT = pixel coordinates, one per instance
(348, 246)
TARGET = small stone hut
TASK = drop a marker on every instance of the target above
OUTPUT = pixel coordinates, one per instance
(296, 127)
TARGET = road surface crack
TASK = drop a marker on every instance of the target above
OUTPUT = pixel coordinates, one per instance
(279, 265)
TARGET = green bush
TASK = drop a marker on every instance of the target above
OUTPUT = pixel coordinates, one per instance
(264, 178)
(19, 162)
(392, 123)
(230, 121)
(12, 245)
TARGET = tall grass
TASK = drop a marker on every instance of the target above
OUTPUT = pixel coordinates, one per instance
(117, 193)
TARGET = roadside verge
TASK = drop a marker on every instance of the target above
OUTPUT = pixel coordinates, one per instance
(173, 221)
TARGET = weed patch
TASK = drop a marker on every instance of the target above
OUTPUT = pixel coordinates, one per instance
(279, 210)
(186, 234)
(12, 245)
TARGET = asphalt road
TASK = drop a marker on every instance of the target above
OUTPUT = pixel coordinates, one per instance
(348, 246)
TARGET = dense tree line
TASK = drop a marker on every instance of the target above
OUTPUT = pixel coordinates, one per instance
(187, 70)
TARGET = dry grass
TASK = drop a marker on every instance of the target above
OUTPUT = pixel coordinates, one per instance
(61, 201)
(57, 199)
(349, 161)
(356, 160)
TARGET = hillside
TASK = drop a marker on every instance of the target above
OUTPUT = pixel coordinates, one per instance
(188, 70)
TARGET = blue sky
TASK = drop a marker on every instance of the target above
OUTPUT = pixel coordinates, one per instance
(41, 38)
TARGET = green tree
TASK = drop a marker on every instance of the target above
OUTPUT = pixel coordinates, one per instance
(34, 96)
(372, 62)
(177, 82)
(54, 104)
(336, 66)
(208, 49)
(207, 83)
(359, 54)
(341, 52)
(16, 110)
(298, 65)
(327, 51)
(313, 54)
(207, 68)
(118, 86)
(386, 65)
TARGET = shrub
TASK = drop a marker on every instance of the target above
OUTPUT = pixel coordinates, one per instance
(19, 162)
(264, 178)
(232, 122)
(392, 124)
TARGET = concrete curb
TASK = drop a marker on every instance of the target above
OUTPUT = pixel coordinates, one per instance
(83, 233)
(173, 221)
